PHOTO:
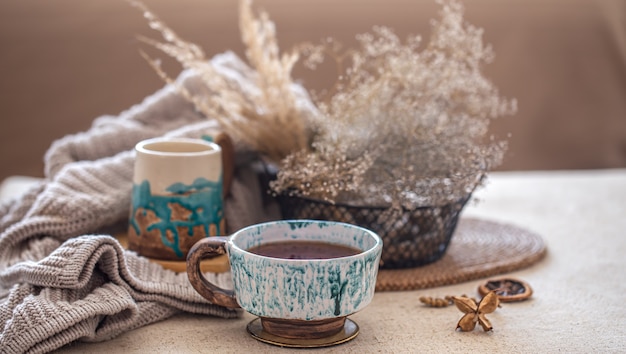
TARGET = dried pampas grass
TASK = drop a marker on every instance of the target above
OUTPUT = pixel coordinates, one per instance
(269, 121)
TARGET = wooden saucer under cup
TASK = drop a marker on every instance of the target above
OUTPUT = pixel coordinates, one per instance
(335, 331)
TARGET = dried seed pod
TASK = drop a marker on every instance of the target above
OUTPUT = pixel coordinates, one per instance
(489, 303)
(435, 301)
(471, 298)
(476, 312)
(465, 304)
(484, 322)
(467, 322)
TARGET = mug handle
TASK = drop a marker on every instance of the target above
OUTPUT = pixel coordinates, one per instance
(228, 157)
(209, 247)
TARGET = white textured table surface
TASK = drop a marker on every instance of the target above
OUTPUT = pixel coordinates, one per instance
(578, 306)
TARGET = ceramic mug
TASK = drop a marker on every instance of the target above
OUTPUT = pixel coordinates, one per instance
(306, 297)
(177, 196)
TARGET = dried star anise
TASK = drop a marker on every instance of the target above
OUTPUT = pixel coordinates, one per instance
(476, 312)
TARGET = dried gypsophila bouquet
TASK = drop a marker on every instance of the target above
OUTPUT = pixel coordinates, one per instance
(402, 128)
(406, 127)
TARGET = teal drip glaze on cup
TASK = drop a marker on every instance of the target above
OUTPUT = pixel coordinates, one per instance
(308, 290)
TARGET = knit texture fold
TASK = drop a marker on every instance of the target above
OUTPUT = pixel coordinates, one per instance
(64, 279)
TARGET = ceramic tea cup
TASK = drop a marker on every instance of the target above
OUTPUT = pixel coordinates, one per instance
(177, 196)
(301, 277)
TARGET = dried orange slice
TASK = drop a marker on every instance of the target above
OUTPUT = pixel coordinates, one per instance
(507, 289)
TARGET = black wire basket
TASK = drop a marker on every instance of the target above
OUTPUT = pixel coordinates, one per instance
(411, 238)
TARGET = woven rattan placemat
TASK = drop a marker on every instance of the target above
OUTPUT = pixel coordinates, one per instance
(479, 248)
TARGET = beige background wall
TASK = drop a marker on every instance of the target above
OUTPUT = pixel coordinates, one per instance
(65, 62)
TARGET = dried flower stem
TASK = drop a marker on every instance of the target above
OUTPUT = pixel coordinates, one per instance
(269, 117)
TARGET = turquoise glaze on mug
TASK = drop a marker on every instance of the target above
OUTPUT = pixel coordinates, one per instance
(203, 199)
(304, 289)
(177, 196)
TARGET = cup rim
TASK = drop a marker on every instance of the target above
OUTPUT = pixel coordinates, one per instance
(211, 147)
(378, 244)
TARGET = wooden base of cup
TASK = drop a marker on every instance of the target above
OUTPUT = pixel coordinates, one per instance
(303, 329)
(347, 331)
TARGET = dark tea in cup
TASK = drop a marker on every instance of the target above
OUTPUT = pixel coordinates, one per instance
(304, 250)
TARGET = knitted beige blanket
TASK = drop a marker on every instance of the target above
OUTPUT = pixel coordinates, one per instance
(61, 278)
